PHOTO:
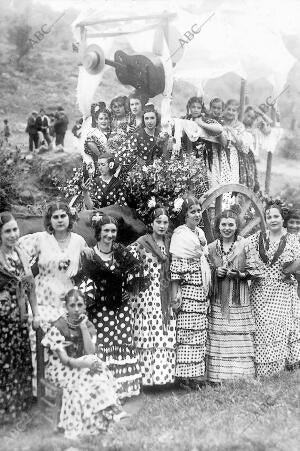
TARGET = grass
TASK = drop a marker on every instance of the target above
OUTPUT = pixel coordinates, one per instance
(257, 415)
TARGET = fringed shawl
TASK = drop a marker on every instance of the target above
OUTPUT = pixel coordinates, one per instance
(225, 291)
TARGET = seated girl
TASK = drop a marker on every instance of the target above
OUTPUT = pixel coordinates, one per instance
(89, 400)
(104, 189)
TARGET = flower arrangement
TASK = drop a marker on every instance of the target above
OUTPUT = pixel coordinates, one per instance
(163, 182)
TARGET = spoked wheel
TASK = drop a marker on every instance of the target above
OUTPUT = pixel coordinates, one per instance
(251, 209)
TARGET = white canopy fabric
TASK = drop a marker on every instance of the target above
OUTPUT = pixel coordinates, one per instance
(244, 37)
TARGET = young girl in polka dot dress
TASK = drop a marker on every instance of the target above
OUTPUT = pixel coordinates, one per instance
(110, 270)
(190, 275)
(89, 400)
(273, 294)
(154, 320)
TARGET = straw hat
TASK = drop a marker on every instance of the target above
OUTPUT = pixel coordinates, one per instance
(93, 59)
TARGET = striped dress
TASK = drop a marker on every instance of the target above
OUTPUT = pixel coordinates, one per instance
(230, 345)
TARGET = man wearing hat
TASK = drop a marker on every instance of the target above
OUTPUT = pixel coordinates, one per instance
(32, 130)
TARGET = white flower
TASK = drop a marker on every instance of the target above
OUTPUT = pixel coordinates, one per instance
(73, 211)
(144, 169)
(97, 217)
(178, 204)
(111, 165)
(151, 202)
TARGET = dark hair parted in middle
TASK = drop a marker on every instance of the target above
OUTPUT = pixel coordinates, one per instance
(100, 221)
(188, 201)
(227, 214)
(150, 108)
(52, 208)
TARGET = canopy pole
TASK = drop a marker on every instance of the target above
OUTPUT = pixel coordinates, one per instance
(270, 157)
(165, 30)
(242, 98)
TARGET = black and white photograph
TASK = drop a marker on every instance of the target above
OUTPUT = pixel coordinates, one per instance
(150, 225)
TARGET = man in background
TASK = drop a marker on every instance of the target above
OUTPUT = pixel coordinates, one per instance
(60, 126)
(32, 131)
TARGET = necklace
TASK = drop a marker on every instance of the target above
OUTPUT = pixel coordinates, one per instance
(104, 252)
(70, 324)
(225, 253)
(64, 240)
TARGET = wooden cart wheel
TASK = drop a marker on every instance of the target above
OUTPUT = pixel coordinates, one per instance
(213, 198)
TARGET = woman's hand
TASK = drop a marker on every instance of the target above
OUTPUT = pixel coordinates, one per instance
(83, 323)
(36, 321)
(86, 185)
(221, 272)
(90, 361)
(176, 302)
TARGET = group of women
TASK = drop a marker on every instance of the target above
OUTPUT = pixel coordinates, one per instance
(166, 308)
(130, 132)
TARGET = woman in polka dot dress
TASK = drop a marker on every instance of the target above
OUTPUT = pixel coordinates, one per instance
(190, 276)
(57, 253)
(272, 294)
(89, 401)
(154, 320)
(145, 145)
(112, 269)
(106, 189)
(16, 289)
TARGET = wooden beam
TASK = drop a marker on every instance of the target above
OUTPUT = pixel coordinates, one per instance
(242, 98)
(127, 19)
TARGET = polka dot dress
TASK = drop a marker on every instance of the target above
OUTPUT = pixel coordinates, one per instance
(89, 400)
(112, 316)
(191, 327)
(276, 336)
(51, 282)
(104, 194)
(15, 355)
(140, 146)
(154, 340)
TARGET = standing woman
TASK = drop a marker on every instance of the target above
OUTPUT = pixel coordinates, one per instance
(137, 101)
(273, 293)
(230, 346)
(96, 139)
(190, 276)
(234, 130)
(154, 320)
(16, 288)
(147, 144)
(57, 252)
(112, 269)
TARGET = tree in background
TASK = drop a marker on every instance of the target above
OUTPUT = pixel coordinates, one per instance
(19, 34)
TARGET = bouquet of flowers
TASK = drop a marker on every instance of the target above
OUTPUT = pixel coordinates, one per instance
(163, 182)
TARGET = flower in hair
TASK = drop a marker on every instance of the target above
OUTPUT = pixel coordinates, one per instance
(111, 165)
(178, 204)
(73, 211)
(96, 218)
(97, 108)
(152, 202)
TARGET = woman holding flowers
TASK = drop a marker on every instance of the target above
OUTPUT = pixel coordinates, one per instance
(154, 320)
(190, 276)
(108, 272)
(230, 345)
(16, 289)
(275, 254)
(57, 253)
(105, 189)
